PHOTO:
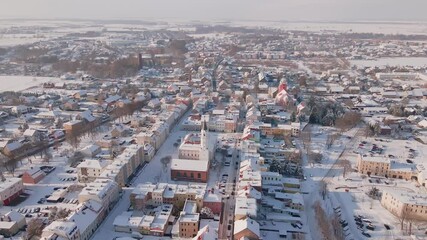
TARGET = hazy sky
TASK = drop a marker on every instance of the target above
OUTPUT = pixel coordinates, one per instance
(291, 10)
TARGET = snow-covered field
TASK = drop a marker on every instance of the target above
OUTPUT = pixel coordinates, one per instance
(399, 61)
(19, 83)
(355, 27)
(351, 195)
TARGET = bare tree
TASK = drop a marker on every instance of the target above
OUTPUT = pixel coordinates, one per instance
(10, 165)
(323, 187)
(337, 227)
(331, 139)
(34, 228)
(75, 158)
(165, 161)
(369, 131)
(62, 213)
(47, 157)
(323, 221)
(295, 156)
(346, 166)
(314, 156)
(403, 216)
(73, 139)
(348, 121)
(306, 136)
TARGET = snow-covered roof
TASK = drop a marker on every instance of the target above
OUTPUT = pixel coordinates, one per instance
(407, 197)
(189, 165)
(9, 182)
(247, 223)
(246, 207)
(10, 219)
(93, 163)
(35, 172)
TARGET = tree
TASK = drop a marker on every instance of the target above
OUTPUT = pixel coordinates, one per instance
(206, 212)
(306, 136)
(47, 157)
(10, 164)
(293, 117)
(323, 221)
(323, 187)
(311, 103)
(348, 120)
(62, 213)
(75, 158)
(165, 161)
(295, 156)
(346, 166)
(275, 166)
(315, 156)
(114, 149)
(73, 139)
(52, 213)
(403, 216)
(34, 228)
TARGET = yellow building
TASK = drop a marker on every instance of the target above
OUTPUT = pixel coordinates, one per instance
(408, 204)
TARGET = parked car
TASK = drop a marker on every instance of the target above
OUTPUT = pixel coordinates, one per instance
(366, 234)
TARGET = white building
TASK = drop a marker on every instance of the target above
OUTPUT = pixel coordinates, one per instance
(103, 191)
(90, 169)
(10, 189)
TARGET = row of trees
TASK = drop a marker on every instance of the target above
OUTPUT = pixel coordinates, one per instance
(123, 67)
(323, 221)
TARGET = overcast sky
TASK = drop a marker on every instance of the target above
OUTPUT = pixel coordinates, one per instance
(217, 10)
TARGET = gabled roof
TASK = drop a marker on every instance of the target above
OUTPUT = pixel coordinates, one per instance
(247, 223)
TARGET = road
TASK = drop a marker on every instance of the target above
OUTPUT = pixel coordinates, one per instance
(311, 185)
(336, 170)
(228, 200)
(147, 174)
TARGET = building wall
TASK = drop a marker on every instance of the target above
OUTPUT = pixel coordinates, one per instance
(9, 194)
(188, 229)
(192, 176)
(396, 207)
(189, 154)
(382, 169)
(27, 178)
(88, 174)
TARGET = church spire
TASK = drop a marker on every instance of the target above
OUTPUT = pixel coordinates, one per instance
(204, 125)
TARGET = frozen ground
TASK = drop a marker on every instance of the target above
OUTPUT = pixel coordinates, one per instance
(399, 61)
(19, 83)
(350, 195)
(315, 173)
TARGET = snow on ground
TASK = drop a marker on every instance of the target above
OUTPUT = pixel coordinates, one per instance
(19, 83)
(349, 193)
(317, 172)
(46, 185)
(154, 172)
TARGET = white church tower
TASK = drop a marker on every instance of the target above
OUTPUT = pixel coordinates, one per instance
(204, 141)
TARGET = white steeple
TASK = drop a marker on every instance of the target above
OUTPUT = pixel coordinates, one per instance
(204, 141)
(204, 135)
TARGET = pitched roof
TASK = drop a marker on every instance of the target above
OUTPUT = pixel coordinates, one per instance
(247, 223)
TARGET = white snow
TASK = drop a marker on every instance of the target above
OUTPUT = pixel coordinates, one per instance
(19, 83)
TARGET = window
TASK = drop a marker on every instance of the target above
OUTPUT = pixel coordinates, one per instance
(199, 175)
